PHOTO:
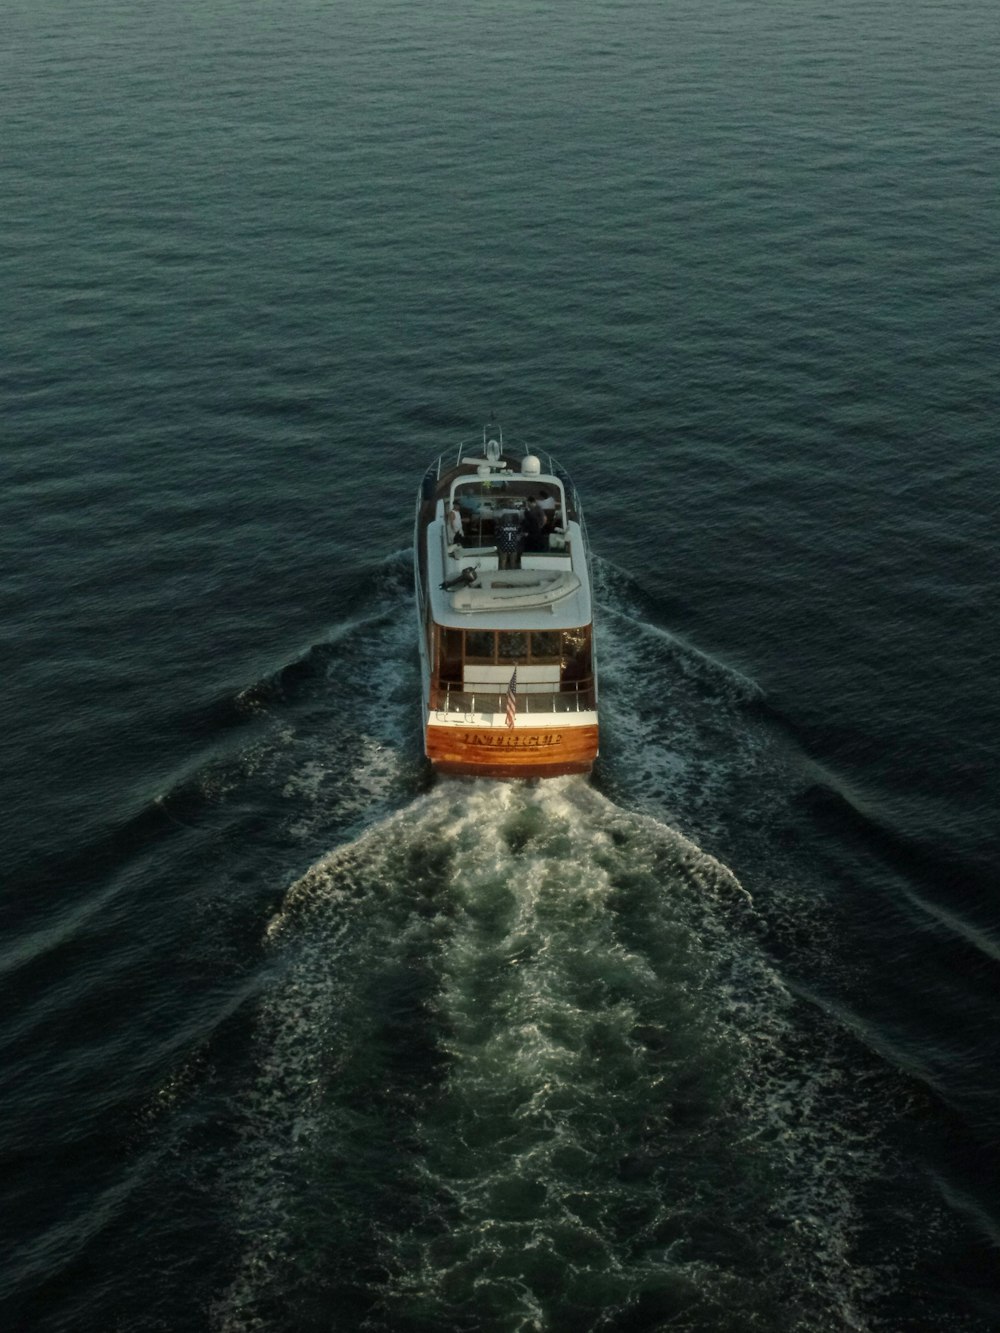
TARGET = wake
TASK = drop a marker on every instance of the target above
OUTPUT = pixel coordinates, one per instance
(522, 1065)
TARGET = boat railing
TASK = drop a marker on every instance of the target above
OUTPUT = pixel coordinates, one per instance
(581, 700)
(474, 449)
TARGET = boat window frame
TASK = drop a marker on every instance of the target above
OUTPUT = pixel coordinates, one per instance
(531, 657)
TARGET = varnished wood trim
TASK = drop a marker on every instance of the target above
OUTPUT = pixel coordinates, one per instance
(520, 752)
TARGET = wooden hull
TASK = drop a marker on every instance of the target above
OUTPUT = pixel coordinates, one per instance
(519, 752)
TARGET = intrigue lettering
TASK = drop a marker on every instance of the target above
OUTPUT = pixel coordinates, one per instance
(499, 741)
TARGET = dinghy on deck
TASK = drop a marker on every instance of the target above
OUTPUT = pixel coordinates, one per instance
(515, 589)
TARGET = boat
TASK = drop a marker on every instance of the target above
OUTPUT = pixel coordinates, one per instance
(505, 613)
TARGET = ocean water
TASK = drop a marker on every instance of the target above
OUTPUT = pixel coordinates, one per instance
(296, 1038)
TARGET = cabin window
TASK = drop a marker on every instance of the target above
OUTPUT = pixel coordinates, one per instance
(570, 648)
(546, 645)
(479, 645)
(575, 655)
(451, 656)
(512, 646)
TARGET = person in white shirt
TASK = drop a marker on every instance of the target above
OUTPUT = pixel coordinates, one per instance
(455, 529)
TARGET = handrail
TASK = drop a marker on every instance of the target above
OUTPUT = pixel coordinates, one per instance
(446, 700)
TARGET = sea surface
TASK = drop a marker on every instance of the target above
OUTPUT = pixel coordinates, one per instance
(295, 1038)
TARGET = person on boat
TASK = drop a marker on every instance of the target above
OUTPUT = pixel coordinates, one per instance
(455, 529)
(547, 504)
(508, 539)
(536, 538)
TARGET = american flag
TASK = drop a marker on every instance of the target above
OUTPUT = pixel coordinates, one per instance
(512, 698)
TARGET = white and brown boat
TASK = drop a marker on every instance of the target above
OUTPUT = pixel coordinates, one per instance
(505, 608)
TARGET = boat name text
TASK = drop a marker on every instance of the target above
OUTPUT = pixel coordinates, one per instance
(498, 741)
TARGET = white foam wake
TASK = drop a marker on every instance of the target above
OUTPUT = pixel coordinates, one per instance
(521, 1061)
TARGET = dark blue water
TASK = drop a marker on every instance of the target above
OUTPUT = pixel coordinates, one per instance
(295, 1038)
